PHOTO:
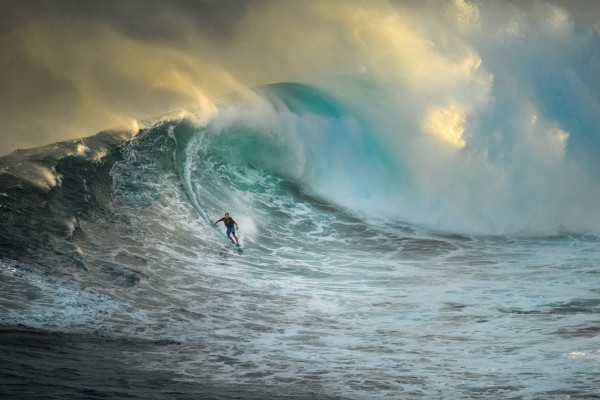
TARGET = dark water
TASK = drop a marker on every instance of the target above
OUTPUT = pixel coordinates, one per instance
(37, 364)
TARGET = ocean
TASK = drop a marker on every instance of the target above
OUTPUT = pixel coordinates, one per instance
(115, 284)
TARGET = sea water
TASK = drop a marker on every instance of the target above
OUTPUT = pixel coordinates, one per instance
(114, 283)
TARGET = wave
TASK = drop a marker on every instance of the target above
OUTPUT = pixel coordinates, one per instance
(345, 150)
(261, 152)
(391, 207)
(111, 237)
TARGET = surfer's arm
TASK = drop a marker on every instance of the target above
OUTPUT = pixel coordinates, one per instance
(216, 222)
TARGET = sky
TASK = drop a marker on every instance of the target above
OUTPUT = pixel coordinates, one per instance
(71, 68)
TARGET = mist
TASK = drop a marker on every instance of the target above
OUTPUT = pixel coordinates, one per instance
(71, 68)
(490, 107)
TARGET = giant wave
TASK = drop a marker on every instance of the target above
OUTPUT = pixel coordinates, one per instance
(417, 196)
(320, 143)
(110, 239)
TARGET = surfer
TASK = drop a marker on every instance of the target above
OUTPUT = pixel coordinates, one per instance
(231, 226)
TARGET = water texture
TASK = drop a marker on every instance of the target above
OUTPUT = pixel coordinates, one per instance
(114, 283)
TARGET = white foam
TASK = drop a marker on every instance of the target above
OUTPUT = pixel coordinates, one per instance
(42, 301)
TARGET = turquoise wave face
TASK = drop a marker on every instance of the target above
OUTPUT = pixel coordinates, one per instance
(287, 132)
(301, 99)
(347, 153)
(330, 146)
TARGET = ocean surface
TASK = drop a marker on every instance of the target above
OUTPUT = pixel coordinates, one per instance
(356, 280)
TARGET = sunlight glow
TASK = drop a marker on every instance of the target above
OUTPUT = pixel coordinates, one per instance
(446, 123)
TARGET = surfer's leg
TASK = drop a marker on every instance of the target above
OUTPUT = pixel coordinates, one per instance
(229, 232)
(236, 239)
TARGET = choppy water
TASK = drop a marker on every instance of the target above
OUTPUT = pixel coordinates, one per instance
(114, 284)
